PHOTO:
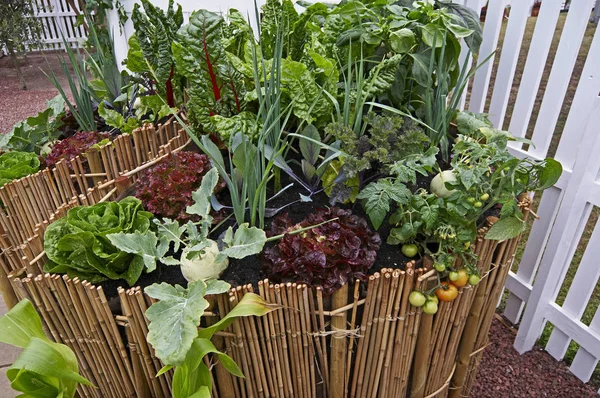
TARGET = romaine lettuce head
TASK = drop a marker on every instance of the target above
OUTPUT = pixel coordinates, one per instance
(77, 244)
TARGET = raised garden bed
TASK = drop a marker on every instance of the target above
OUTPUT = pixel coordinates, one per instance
(334, 198)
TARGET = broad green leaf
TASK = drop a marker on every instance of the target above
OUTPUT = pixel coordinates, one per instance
(310, 149)
(379, 195)
(432, 36)
(549, 174)
(174, 320)
(298, 83)
(20, 324)
(215, 286)
(402, 40)
(44, 368)
(141, 244)
(169, 231)
(111, 117)
(506, 228)
(244, 122)
(201, 197)
(245, 242)
(469, 122)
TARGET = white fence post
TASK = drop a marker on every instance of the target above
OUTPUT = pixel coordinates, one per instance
(570, 217)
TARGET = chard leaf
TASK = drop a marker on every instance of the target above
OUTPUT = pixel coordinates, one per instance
(298, 83)
(244, 122)
(174, 320)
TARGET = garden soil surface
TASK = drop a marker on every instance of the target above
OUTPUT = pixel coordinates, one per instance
(502, 373)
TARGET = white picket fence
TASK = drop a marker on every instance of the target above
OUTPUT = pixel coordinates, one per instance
(565, 208)
(59, 20)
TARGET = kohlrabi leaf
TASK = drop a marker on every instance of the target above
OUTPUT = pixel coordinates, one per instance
(245, 242)
(141, 244)
(201, 197)
(174, 319)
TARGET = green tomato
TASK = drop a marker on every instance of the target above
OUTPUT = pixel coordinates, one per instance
(453, 276)
(439, 267)
(430, 307)
(417, 299)
(478, 204)
(410, 250)
(471, 199)
(484, 197)
(474, 279)
(433, 297)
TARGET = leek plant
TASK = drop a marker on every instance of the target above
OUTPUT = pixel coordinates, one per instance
(82, 107)
(251, 164)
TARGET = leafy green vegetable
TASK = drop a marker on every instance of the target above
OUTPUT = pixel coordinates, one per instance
(44, 368)
(175, 318)
(32, 134)
(14, 165)
(78, 244)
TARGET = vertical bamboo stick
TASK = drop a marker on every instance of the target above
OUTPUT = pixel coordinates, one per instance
(339, 346)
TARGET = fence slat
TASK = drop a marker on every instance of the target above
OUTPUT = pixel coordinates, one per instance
(534, 68)
(493, 25)
(562, 69)
(579, 294)
(560, 244)
(584, 362)
(508, 61)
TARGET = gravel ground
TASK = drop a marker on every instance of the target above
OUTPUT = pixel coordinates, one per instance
(504, 373)
(17, 104)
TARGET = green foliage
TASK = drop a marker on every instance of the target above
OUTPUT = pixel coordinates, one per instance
(150, 52)
(14, 165)
(44, 368)
(214, 86)
(36, 131)
(78, 244)
(18, 30)
(173, 331)
(83, 105)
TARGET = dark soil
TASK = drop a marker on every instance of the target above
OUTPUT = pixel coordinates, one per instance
(504, 373)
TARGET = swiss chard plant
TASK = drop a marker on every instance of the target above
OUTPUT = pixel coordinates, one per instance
(150, 54)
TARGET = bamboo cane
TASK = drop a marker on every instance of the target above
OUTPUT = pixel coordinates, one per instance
(338, 345)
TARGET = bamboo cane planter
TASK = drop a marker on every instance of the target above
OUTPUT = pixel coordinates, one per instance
(366, 340)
